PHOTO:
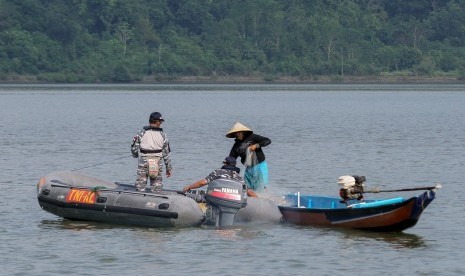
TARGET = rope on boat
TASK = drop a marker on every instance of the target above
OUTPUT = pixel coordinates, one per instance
(97, 188)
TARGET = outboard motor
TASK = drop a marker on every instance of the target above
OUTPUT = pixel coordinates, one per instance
(224, 197)
(352, 187)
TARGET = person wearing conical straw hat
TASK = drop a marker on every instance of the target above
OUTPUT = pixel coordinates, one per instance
(248, 146)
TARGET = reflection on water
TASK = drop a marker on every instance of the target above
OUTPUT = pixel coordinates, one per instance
(395, 239)
(363, 237)
(229, 234)
(242, 231)
(65, 224)
(77, 225)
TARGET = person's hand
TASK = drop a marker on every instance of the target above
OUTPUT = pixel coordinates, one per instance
(168, 173)
(251, 193)
(187, 188)
(253, 147)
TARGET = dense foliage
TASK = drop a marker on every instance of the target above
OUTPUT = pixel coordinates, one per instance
(122, 41)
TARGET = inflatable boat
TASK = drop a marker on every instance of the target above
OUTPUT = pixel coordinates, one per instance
(75, 196)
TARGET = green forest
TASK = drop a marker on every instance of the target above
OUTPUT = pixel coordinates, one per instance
(90, 41)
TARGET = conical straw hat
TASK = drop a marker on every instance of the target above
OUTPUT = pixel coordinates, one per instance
(237, 127)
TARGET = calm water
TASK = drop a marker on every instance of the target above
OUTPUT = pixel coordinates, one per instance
(397, 136)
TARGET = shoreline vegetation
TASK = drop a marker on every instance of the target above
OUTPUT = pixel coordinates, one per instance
(261, 41)
(260, 79)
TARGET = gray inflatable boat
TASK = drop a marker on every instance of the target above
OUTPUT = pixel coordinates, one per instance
(76, 196)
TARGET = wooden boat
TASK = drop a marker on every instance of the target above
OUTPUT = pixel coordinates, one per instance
(383, 215)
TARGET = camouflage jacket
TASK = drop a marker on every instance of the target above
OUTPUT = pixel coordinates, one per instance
(223, 173)
(151, 141)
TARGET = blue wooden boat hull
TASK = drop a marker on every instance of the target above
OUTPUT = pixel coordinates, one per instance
(392, 215)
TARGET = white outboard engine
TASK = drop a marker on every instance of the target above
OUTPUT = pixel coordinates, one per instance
(224, 197)
(352, 187)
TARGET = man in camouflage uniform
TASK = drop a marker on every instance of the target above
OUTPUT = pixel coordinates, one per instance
(154, 148)
(227, 171)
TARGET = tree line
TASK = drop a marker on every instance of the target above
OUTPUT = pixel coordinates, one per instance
(128, 41)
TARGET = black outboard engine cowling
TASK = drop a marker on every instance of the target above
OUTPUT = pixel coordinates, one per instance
(225, 197)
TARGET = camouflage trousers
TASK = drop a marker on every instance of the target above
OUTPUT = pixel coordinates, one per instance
(143, 173)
